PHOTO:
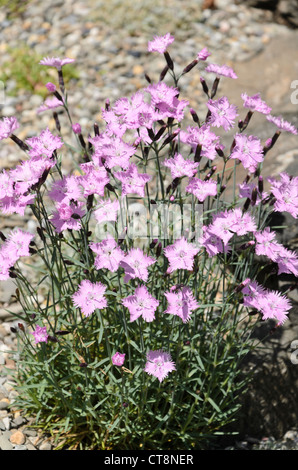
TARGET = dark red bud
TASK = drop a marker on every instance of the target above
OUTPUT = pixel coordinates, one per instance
(190, 66)
(169, 60)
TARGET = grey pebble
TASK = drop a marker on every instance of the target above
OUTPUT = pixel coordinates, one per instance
(18, 421)
(30, 432)
(6, 422)
(2, 425)
(20, 447)
(5, 443)
(4, 405)
(45, 445)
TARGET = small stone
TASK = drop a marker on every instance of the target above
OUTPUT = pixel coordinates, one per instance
(18, 421)
(4, 405)
(34, 440)
(2, 425)
(6, 422)
(30, 447)
(17, 438)
(30, 432)
(137, 70)
(20, 447)
(45, 445)
(5, 443)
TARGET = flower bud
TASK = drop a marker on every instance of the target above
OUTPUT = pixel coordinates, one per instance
(57, 122)
(214, 87)
(261, 184)
(194, 116)
(198, 156)
(96, 129)
(204, 86)
(158, 250)
(242, 285)
(169, 60)
(51, 87)
(2, 236)
(190, 66)
(163, 73)
(76, 128)
(254, 195)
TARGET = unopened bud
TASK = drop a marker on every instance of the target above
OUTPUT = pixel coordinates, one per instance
(169, 60)
(159, 133)
(254, 195)
(159, 249)
(51, 87)
(247, 119)
(96, 129)
(211, 172)
(242, 285)
(194, 116)
(219, 152)
(53, 339)
(163, 73)
(153, 243)
(214, 87)
(57, 122)
(190, 66)
(204, 86)
(246, 205)
(198, 156)
(261, 184)
(171, 137)
(76, 128)
(62, 332)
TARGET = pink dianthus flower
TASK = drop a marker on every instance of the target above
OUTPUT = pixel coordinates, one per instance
(108, 254)
(118, 359)
(248, 150)
(141, 303)
(282, 124)
(7, 127)
(223, 113)
(286, 194)
(221, 70)
(160, 43)
(201, 189)
(180, 167)
(89, 297)
(132, 181)
(56, 62)
(181, 255)
(254, 103)
(181, 303)
(135, 264)
(40, 334)
(159, 364)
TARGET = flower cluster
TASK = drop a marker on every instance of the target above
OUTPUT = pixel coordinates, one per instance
(114, 167)
(271, 304)
(217, 235)
(16, 245)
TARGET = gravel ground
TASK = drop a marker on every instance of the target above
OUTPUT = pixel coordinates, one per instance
(109, 40)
